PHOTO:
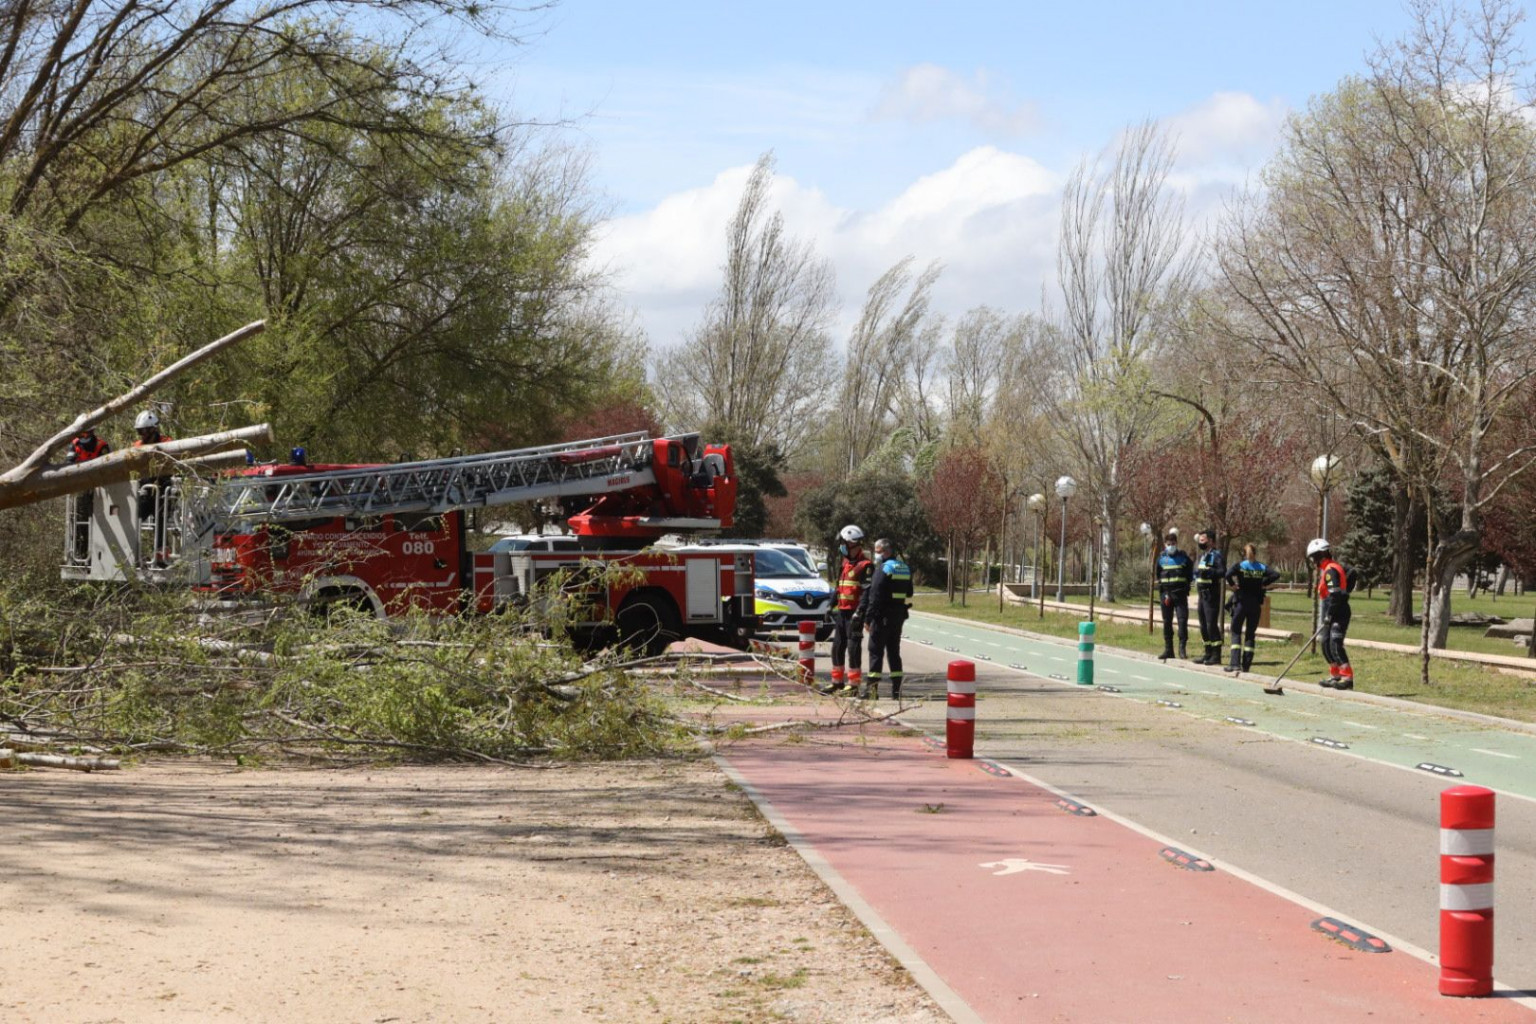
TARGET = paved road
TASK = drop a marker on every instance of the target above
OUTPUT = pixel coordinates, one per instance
(1356, 829)
(1349, 830)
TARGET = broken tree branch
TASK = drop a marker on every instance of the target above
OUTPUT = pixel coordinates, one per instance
(127, 398)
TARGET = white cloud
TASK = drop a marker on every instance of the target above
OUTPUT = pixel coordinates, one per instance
(990, 218)
(927, 92)
(1228, 128)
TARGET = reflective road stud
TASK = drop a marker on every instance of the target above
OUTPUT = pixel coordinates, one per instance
(808, 653)
(1466, 891)
(961, 725)
(1085, 632)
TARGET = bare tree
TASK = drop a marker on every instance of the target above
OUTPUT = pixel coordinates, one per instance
(1391, 269)
(758, 366)
(1122, 263)
(880, 352)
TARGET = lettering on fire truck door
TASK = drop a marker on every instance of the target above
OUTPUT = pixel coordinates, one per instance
(703, 589)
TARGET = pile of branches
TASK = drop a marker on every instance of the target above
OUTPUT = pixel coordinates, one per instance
(127, 670)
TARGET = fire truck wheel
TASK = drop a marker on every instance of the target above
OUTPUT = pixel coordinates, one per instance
(648, 622)
(333, 601)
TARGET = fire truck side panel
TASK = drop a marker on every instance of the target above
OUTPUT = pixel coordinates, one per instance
(397, 562)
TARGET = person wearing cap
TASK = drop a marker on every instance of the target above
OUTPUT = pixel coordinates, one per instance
(883, 610)
(1175, 570)
(853, 577)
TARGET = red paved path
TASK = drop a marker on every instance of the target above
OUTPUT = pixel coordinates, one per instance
(1122, 936)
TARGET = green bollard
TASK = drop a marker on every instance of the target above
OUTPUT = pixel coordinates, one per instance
(1085, 631)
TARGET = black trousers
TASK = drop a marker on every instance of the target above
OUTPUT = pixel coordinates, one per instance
(885, 645)
(1333, 636)
(1175, 607)
(845, 640)
(1245, 626)
(1210, 616)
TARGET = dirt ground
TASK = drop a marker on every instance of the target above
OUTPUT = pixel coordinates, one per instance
(620, 892)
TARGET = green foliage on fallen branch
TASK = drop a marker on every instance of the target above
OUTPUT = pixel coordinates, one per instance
(133, 670)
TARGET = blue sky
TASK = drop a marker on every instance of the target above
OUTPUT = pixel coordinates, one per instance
(940, 131)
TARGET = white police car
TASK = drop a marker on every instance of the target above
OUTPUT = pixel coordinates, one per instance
(788, 594)
(787, 589)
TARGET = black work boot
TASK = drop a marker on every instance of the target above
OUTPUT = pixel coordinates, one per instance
(1236, 660)
(1183, 652)
(1167, 653)
(896, 678)
(1247, 660)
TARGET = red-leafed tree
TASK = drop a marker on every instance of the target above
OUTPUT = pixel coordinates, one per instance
(961, 500)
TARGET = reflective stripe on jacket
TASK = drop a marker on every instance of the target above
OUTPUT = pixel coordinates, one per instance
(852, 581)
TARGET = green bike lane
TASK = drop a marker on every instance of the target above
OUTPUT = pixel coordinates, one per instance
(1434, 742)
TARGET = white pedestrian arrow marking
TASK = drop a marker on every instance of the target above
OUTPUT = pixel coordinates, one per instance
(1013, 865)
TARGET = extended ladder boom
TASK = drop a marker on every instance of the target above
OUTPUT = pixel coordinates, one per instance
(593, 467)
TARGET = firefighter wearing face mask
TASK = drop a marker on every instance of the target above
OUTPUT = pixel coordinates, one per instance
(847, 626)
(1175, 569)
(1210, 570)
(1334, 582)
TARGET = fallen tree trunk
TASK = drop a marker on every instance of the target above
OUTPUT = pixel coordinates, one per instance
(152, 460)
(40, 455)
(11, 759)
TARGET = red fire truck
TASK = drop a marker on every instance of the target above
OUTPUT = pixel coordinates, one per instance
(390, 538)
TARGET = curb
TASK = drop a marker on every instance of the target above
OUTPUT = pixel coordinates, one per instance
(926, 977)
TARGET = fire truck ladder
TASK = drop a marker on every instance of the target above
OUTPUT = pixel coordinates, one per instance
(596, 466)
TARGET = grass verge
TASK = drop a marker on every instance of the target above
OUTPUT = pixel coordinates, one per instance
(1459, 685)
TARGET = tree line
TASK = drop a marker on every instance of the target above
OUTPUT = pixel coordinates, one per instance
(1372, 298)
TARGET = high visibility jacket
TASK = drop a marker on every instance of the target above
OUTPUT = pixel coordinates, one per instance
(889, 591)
(1173, 573)
(1332, 584)
(852, 581)
(1210, 569)
(1251, 578)
(84, 449)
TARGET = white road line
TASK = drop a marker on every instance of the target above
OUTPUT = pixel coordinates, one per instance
(1359, 725)
(1176, 686)
(1211, 693)
(1142, 678)
(1415, 736)
(1110, 671)
(1494, 753)
(1054, 658)
(1309, 714)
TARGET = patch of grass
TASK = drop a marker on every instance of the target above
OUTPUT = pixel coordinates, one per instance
(747, 960)
(1464, 686)
(795, 980)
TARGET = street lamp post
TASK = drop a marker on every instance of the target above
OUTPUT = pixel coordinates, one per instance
(1093, 544)
(1065, 488)
(1146, 553)
(1322, 470)
(1036, 504)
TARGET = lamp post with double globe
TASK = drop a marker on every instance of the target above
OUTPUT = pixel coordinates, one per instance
(1065, 488)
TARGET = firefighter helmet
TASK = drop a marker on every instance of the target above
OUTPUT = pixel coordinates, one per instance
(850, 534)
(146, 420)
(1317, 547)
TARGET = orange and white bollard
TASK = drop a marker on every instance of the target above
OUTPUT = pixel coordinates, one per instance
(1466, 891)
(960, 727)
(808, 652)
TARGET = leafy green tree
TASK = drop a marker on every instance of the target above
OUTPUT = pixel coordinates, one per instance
(883, 503)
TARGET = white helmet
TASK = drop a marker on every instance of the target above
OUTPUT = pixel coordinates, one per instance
(145, 420)
(1317, 547)
(850, 534)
